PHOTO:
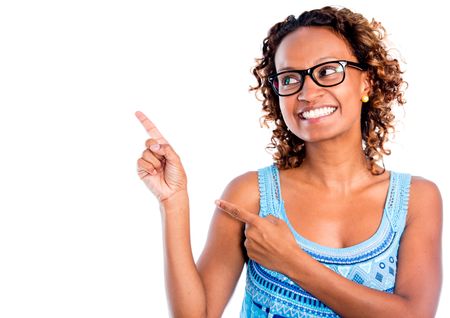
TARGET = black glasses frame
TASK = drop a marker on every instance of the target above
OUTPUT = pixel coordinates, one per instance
(309, 71)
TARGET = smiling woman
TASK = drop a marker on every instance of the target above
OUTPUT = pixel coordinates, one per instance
(321, 31)
(324, 231)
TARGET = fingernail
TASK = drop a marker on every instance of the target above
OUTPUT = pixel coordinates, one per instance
(217, 202)
(154, 147)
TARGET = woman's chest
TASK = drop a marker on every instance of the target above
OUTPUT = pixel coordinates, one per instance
(332, 220)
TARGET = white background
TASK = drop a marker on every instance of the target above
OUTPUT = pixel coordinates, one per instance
(80, 234)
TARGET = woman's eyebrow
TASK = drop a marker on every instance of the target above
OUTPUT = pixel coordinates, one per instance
(318, 61)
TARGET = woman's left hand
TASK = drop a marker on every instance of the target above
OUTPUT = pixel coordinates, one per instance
(269, 240)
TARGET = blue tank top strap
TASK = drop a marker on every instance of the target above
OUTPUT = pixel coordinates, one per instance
(269, 192)
(397, 201)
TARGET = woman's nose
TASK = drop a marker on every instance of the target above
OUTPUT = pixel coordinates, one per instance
(310, 89)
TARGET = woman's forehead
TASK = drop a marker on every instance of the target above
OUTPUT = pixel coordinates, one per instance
(308, 46)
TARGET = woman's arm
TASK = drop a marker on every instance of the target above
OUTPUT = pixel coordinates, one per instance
(205, 289)
(419, 273)
(220, 265)
(193, 291)
(184, 288)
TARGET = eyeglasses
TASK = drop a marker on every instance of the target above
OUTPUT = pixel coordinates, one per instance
(325, 74)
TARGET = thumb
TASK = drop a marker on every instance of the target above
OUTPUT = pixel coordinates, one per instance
(272, 219)
(166, 151)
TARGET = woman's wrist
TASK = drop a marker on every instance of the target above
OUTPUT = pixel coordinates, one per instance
(176, 202)
(296, 263)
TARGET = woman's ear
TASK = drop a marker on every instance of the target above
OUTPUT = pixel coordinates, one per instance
(366, 85)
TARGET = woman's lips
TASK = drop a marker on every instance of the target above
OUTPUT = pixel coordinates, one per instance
(315, 114)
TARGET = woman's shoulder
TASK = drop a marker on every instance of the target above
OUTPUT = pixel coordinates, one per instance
(420, 188)
(243, 190)
(250, 180)
(424, 189)
(425, 200)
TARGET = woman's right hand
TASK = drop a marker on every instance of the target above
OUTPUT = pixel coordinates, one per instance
(161, 168)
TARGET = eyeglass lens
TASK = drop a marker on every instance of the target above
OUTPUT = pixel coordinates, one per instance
(329, 74)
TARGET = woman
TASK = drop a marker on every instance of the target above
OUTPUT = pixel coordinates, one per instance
(325, 231)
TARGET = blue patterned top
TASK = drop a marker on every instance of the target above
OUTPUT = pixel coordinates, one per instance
(372, 263)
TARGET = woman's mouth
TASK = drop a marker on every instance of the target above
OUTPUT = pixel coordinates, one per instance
(317, 112)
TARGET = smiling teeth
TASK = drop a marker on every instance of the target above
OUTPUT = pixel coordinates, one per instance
(315, 113)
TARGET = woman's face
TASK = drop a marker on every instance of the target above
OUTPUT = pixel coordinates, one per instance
(302, 49)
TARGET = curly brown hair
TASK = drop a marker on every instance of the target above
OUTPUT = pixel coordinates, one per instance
(366, 42)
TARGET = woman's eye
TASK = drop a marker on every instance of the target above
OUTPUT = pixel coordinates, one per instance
(289, 80)
(327, 71)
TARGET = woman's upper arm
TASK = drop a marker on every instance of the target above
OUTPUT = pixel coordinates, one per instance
(223, 257)
(419, 275)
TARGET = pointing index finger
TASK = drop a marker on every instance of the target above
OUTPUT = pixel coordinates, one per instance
(150, 127)
(237, 212)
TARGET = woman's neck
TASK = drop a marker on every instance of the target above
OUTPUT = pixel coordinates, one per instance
(336, 167)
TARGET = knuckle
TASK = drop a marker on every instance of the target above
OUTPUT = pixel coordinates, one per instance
(264, 236)
(146, 165)
(235, 211)
(149, 157)
(143, 163)
(157, 165)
